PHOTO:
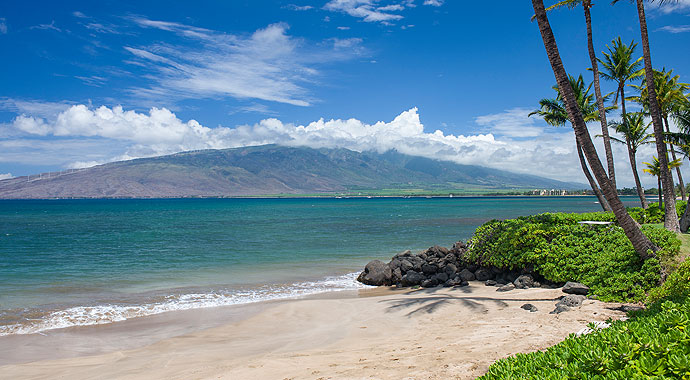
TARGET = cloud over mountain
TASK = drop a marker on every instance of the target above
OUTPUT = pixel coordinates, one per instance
(509, 140)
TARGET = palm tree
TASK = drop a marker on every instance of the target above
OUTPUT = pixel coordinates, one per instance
(554, 113)
(681, 141)
(654, 169)
(618, 66)
(643, 246)
(671, 220)
(634, 129)
(670, 96)
(587, 5)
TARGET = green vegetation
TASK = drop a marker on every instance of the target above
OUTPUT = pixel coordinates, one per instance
(653, 214)
(653, 344)
(676, 285)
(560, 249)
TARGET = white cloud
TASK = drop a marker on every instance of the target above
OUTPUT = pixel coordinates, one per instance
(81, 136)
(33, 107)
(94, 80)
(435, 3)
(347, 43)
(6, 176)
(299, 7)
(391, 7)
(3, 26)
(672, 6)
(267, 65)
(675, 28)
(367, 10)
(513, 123)
(254, 108)
(50, 26)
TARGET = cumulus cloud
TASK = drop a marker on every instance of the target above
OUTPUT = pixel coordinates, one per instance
(267, 65)
(82, 136)
(6, 176)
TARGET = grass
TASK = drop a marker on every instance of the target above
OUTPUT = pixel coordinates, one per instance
(684, 253)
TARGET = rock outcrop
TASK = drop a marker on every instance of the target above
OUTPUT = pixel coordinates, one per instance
(440, 266)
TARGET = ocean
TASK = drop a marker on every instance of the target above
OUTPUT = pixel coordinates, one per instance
(67, 263)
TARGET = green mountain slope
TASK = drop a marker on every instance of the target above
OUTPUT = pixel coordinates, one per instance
(267, 170)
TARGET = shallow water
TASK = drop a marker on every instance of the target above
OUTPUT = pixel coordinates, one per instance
(80, 262)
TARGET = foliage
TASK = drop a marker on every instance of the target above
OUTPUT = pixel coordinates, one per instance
(634, 129)
(554, 110)
(653, 214)
(560, 249)
(654, 167)
(670, 92)
(676, 285)
(653, 344)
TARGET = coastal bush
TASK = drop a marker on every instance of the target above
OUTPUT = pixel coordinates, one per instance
(653, 214)
(652, 344)
(560, 250)
(676, 285)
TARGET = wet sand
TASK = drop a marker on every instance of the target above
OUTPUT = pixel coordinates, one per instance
(376, 333)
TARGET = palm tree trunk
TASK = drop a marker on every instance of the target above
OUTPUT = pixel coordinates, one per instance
(671, 219)
(673, 156)
(590, 179)
(685, 220)
(587, 4)
(638, 184)
(643, 246)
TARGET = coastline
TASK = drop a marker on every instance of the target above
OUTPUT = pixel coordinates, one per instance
(437, 333)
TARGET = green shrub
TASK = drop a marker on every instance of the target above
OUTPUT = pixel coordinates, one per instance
(638, 213)
(653, 344)
(676, 285)
(653, 214)
(680, 207)
(560, 249)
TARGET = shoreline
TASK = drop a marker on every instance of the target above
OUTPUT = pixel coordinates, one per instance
(386, 333)
(162, 301)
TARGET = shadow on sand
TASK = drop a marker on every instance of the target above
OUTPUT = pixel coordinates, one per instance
(429, 301)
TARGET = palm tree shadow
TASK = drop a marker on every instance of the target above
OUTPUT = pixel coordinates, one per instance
(428, 301)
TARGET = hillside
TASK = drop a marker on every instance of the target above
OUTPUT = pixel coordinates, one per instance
(266, 170)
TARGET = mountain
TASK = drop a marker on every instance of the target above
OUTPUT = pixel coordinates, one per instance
(266, 170)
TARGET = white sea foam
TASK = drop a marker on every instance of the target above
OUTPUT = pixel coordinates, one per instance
(102, 314)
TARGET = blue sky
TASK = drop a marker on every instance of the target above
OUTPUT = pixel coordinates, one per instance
(91, 82)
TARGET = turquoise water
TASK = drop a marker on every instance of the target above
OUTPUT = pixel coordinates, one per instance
(77, 262)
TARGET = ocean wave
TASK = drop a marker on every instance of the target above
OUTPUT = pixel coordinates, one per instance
(103, 314)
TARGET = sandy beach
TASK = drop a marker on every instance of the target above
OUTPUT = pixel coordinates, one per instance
(379, 333)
